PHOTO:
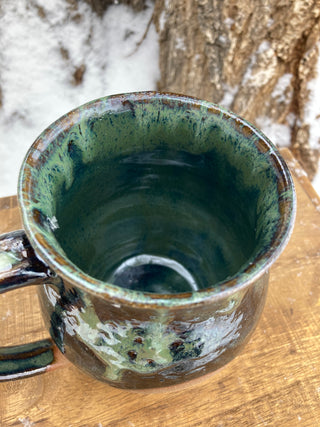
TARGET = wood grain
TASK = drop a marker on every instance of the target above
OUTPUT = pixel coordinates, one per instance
(275, 381)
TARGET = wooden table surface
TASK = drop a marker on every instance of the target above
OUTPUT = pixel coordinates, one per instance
(275, 381)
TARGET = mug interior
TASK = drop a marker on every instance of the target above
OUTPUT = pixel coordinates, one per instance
(155, 193)
(157, 221)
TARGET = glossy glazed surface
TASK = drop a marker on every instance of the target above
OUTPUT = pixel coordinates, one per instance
(245, 164)
(158, 221)
(143, 348)
(19, 267)
(126, 196)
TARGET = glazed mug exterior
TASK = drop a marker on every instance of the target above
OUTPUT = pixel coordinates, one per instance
(128, 338)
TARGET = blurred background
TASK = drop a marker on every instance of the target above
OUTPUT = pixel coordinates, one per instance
(259, 59)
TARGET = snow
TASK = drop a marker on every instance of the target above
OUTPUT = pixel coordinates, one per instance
(228, 22)
(258, 78)
(263, 47)
(312, 110)
(280, 88)
(312, 117)
(180, 45)
(316, 181)
(229, 94)
(278, 133)
(26, 422)
(38, 59)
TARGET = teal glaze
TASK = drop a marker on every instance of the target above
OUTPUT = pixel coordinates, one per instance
(25, 360)
(113, 126)
(223, 199)
(168, 204)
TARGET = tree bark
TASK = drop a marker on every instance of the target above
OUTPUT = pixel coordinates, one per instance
(255, 57)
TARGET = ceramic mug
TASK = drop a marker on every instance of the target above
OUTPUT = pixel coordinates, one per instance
(151, 221)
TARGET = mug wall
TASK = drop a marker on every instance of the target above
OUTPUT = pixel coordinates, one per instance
(131, 347)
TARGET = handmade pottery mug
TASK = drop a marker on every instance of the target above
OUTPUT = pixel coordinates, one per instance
(151, 221)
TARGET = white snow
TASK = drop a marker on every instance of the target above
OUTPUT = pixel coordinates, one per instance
(316, 181)
(263, 75)
(180, 44)
(228, 22)
(229, 94)
(162, 20)
(38, 58)
(280, 88)
(312, 117)
(263, 47)
(312, 110)
(26, 422)
(278, 133)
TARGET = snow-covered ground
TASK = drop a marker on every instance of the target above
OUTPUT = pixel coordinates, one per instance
(41, 48)
(57, 55)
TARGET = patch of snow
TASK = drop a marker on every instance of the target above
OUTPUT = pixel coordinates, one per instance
(270, 22)
(291, 119)
(280, 88)
(312, 117)
(278, 133)
(312, 110)
(228, 22)
(316, 181)
(262, 76)
(248, 74)
(180, 45)
(40, 55)
(300, 172)
(222, 39)
(229, 94)
(263, 47)
(162, 20)
(26, 422)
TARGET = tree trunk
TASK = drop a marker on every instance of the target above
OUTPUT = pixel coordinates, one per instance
(254, 57)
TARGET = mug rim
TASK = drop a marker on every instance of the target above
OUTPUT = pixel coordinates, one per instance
(68, 271)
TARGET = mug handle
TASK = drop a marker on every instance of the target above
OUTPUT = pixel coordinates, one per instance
(19, 267)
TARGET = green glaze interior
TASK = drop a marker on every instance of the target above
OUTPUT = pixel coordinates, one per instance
(157, 194)
(166, 211)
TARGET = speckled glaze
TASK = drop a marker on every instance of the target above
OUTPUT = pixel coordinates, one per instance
(140, 340)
